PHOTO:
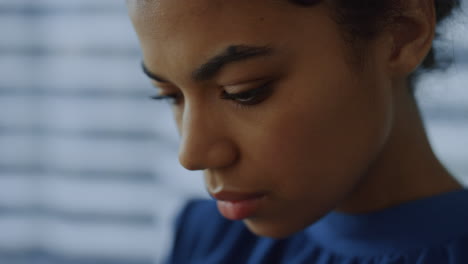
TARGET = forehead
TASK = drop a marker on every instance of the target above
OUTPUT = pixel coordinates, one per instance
(190, 31)
(197, 7)
(170, 18)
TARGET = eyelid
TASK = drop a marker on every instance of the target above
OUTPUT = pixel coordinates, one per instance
(162, 86)
(164, 89)
(246, 81)
(256, 95)
(239, 87)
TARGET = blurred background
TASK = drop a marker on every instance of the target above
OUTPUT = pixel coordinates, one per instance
(88, 164)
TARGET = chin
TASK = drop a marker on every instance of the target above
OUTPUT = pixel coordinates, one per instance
(272, 229)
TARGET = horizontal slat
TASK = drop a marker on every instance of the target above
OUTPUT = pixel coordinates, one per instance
(35, 171)
(166, 173)
(19, 149)
(70, 153)
(82, 116)
(80, 199)
(17, 232)
(73, 73)
(73, 35)
(68, 3)
(51, 7)
(39, 255)
(78, 217)
(79, 239)
(81, 93)
(39, 52)
(107, 134)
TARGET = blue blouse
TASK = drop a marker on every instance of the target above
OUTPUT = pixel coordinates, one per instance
(433, 230)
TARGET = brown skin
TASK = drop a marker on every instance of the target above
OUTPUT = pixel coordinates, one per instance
(329, 137)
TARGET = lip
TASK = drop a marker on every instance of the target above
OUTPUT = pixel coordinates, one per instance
(238, 205)
(236, 196)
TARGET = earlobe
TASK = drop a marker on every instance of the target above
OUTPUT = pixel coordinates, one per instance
(412, 34)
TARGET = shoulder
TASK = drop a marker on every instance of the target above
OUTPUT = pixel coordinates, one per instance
(200, 230)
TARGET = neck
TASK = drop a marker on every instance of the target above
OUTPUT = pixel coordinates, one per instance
(406, 169)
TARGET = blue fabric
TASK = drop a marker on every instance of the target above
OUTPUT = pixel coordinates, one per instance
(428, 231)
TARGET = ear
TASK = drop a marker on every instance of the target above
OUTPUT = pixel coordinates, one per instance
(412, 35)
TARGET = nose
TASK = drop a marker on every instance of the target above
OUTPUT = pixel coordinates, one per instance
(204, 143)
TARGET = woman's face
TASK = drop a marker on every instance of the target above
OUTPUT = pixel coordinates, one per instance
(307, 124)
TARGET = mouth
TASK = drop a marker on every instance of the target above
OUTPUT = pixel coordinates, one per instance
(237, 205)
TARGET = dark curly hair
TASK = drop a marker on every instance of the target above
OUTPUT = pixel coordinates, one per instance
(364, 19)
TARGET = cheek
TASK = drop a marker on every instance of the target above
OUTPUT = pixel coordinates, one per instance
(323, 139)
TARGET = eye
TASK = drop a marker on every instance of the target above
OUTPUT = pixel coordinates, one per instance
(250, 97)
(173, 99)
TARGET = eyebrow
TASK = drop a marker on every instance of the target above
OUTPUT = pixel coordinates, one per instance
(231, 54)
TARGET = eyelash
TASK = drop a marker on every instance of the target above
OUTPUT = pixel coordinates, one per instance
(171, 98)
(255, 96)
